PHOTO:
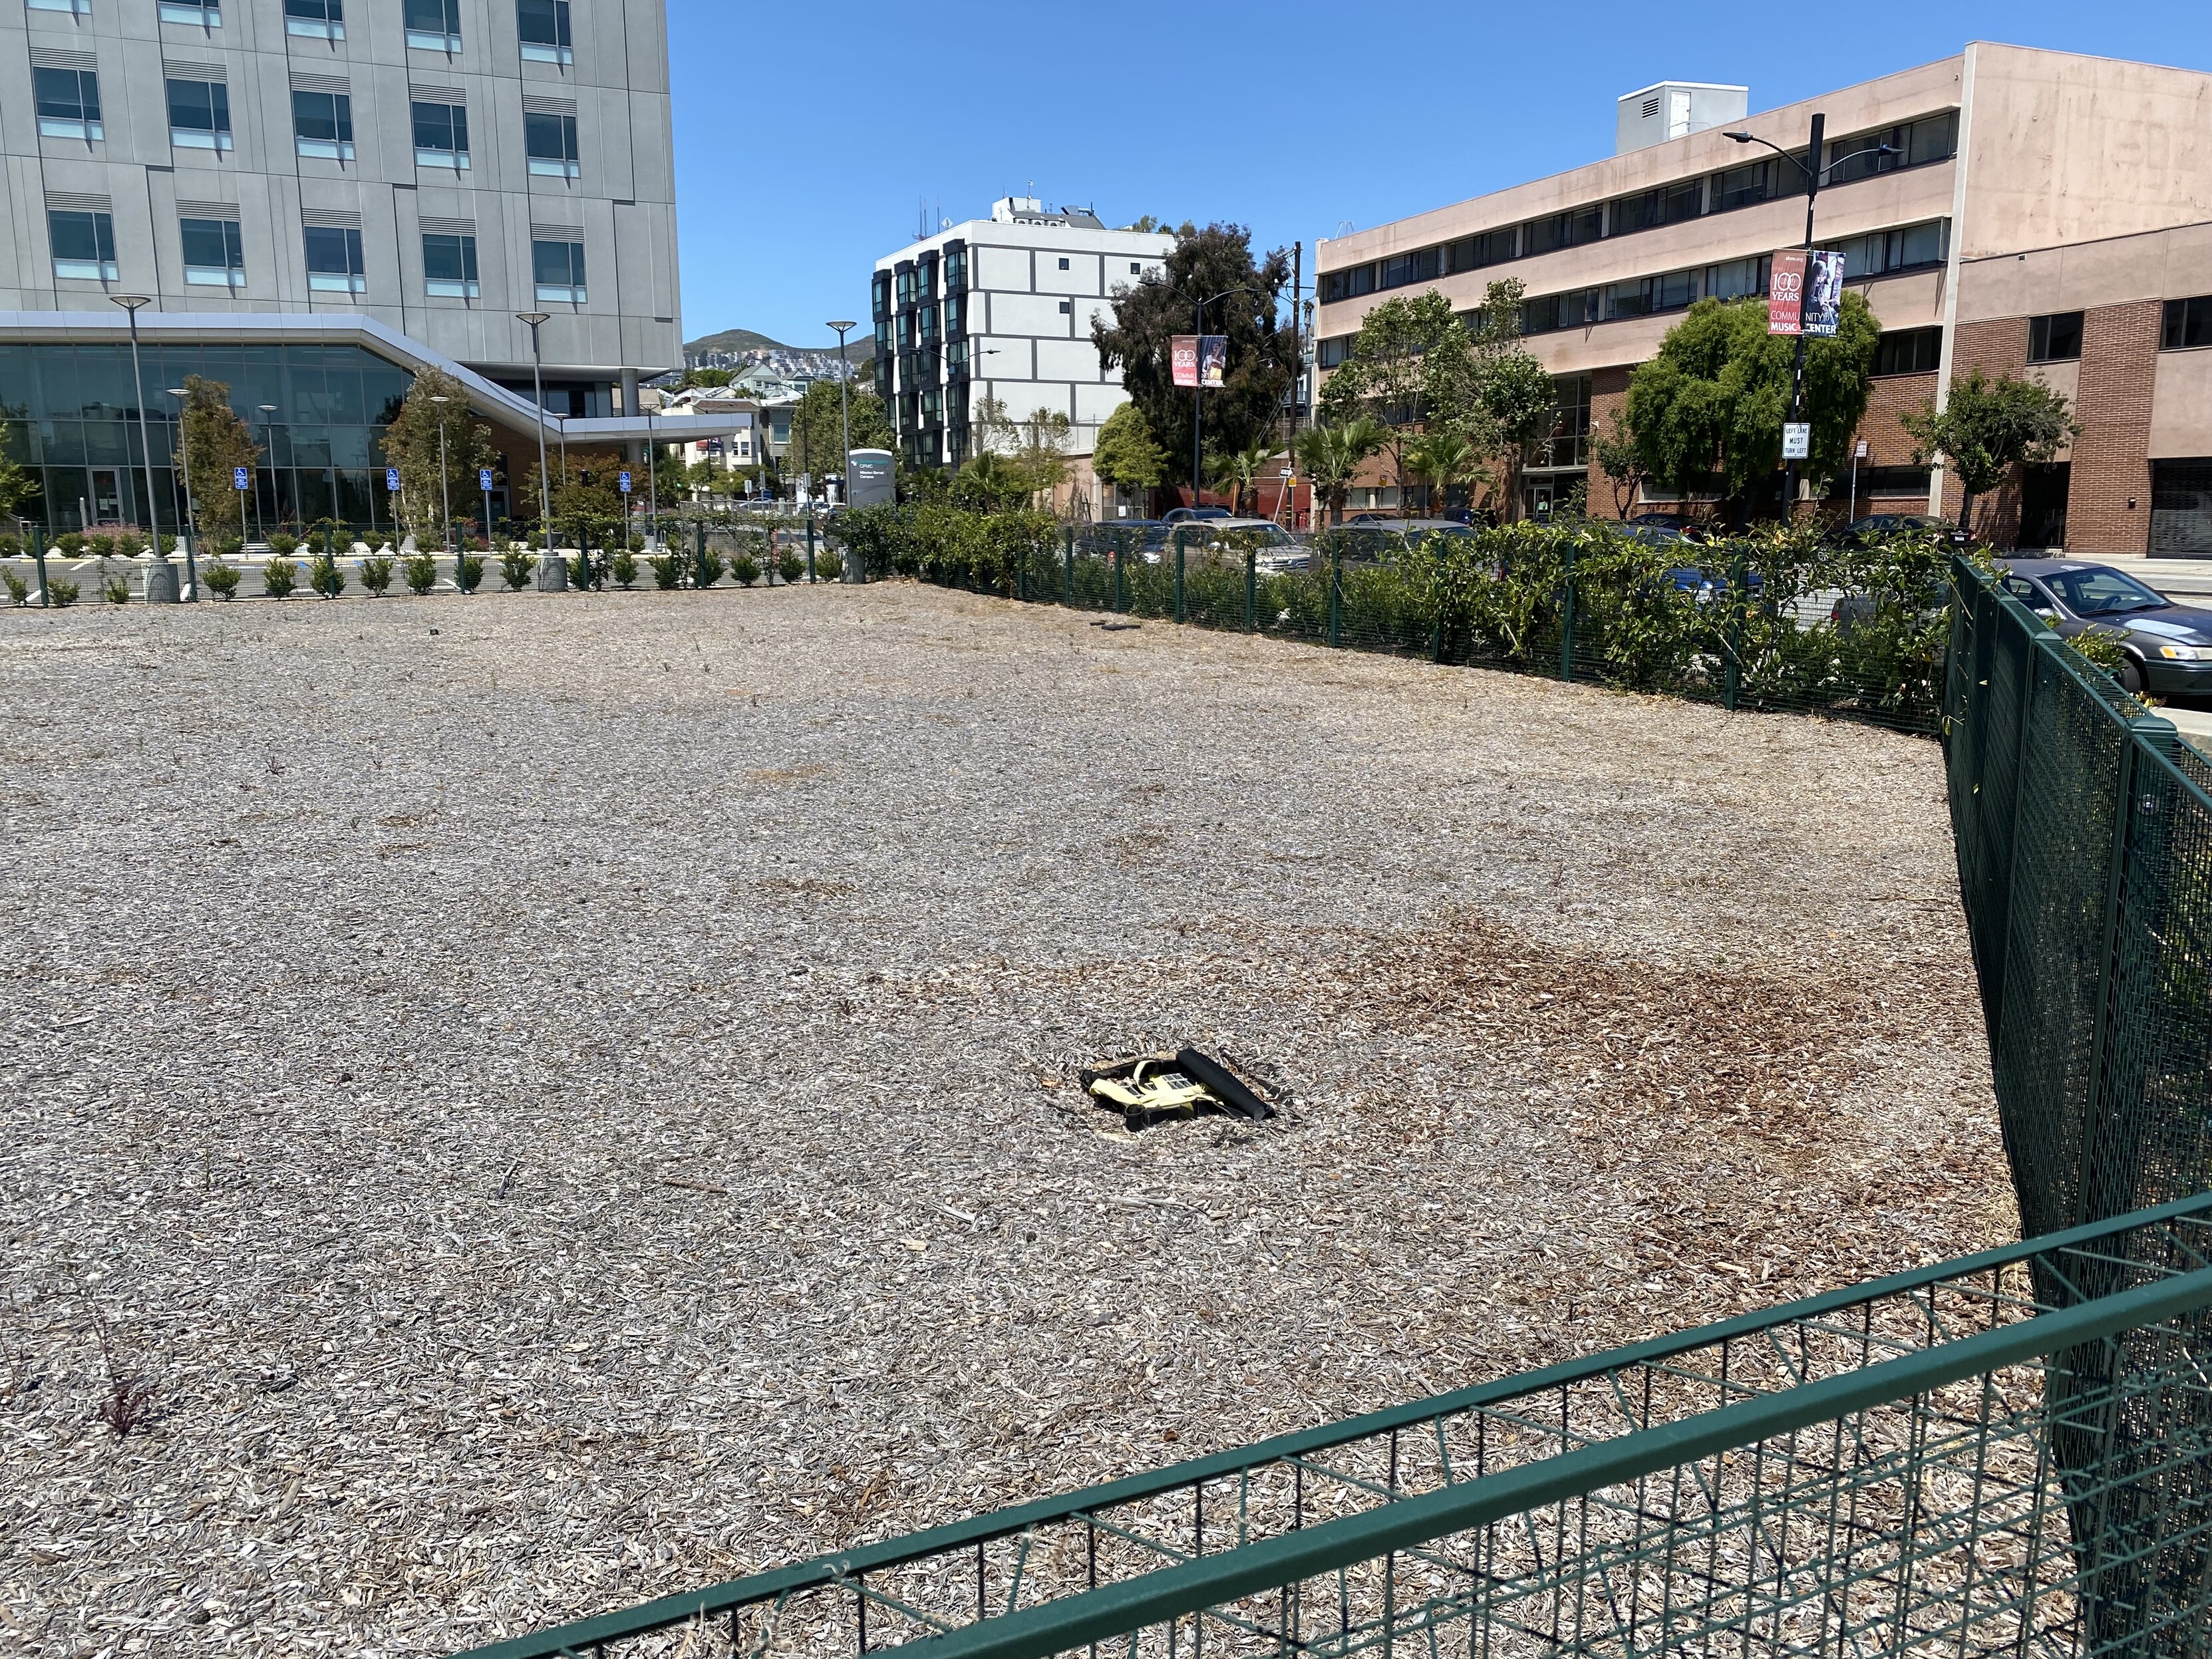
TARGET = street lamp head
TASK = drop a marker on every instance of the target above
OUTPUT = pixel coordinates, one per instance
(130, 302)
(533, 317)
(1741, 138)
(842, 328)
(175, 391)
(267, 408)
(437, 399)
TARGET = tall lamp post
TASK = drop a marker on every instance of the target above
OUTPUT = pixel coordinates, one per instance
(131, 302)
(269, 431)
(446, 492)
(844, 413)
(184, 466)
(538, 381)
(1812, 175)
(1198, 391)
(652, 482)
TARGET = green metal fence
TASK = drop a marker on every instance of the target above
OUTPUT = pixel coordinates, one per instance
(2007, 1453)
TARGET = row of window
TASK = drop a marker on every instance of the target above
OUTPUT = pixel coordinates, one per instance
(322, 124)
(1914, 143)
(215, 255)
(431, 25)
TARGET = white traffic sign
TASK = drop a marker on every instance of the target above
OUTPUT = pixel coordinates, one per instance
(1796, 439)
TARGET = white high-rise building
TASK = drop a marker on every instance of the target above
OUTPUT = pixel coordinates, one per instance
(1002, 307)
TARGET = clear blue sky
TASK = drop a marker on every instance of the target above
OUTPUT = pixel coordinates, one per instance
(807, 135)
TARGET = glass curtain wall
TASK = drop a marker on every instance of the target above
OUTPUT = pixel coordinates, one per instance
(73, 421)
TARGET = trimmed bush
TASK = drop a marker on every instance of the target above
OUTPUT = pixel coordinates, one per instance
(71, 542)
(468, 571)
(376, 574)
(115, 590)
(624, 568)
(283, 545)
(222, 580)
(19, 591)
(279, 577)
(667, 571)
(710, 569)
(791, 564)
(829, 564)
(63, 594)
(327, 576)
(101, 545)
(421, 570)
(746, 568)
(515, 568)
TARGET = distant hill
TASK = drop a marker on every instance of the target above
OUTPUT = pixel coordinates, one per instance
(735, 340)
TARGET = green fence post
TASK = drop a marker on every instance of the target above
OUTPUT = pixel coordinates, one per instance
(1567, 619)
(1178, 591)
(1251, 589)
(698, 550)
(1335, 596)
(1732, 681)
(810, 550)
(1120, 557)
(1068, 585)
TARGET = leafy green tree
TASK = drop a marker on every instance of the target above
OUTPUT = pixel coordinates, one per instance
(706, 377)
(17, 485)
(1614, 449)
(1240, 471)
(1042, 454)
(1712, 402)
(410, 443)
(818, 432)
(1332, 455)
(216, 441)
(1411, 368)
(1523, 402)
(1444, 459)
(1128, 455)
(1149, 313)
(990, 483)
(1987, 427)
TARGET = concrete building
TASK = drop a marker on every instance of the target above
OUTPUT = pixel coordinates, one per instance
(2045, 214)
(411, 170)
(1002, 307)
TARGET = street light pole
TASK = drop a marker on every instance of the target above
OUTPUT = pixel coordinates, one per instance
(131, 302)
(1812, 170)
(538, 381)
(446, 491)
(184, 466)
(652, 481)
(844, 413)
(267, 409)
(1198, 391)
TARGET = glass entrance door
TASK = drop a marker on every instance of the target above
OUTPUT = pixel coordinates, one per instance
(106, 494)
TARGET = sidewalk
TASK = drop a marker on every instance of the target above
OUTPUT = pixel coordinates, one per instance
(2173, 577)
(2195, 726)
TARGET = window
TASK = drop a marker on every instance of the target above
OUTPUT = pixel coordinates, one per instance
(1397, 271)
(1667, 205)
(441, 135)
(214, 255)
(1063, 264)
(1909, 351)
(1648, 296)
(449, 266)
(84, 244)
(1332, 352)
(69, 103)
(434, 25)
(322, 125)
(1915, 144)
(1067, 307)
(1558, 311)
(74, 7)
(883, 336)
(1912, 247)
(2056, 338)
(956, 267)
(1136, 268)
(1348, 284)
(549, 140)
(955, 315)
(906, 285)
(317, 20)
(1737, 279)
(334, 261)
(1755, 182)
(880, 294)
(2186, 324)
(928, 316)
(1570, 229)
(543, 26)
(558, 269)
(1492, 248)
(199, 115)
(905, 330)
(201, 14)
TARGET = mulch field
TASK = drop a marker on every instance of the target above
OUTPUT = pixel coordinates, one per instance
(524, 1104)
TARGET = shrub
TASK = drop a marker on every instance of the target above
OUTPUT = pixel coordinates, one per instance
(376, 574)
(514, 568)
(667, 571)
(468, 573)
(19, 591)
(829, 564)
(578, 570)
(222, 580)
(129, 544)
(226, 547)
(710, 569)
(279, 576)
(71, 544)
(327, 576)
(282, 545)
(422, 572)
(101, 545)
(115, 590)
(624, 568)
(746, 568)
(790, 565)
(63, 594)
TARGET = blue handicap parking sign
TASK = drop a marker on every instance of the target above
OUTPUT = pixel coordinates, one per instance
(625, 484)
(484, 477)
(237, 478)
(392, 479)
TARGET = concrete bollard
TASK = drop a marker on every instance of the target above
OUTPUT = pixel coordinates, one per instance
(160, 582)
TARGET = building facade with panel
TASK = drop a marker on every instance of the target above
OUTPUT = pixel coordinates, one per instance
(1002, 307)
(2041, 214)
(431, 168)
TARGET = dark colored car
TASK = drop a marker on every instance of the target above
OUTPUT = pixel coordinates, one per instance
(1875, 526)
(1183, 514)
(2168, 646)
(1688, 528)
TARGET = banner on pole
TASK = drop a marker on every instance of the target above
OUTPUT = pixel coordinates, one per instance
(1212, 360)
(1182, 354)
(1824, 293)
(1785, 293)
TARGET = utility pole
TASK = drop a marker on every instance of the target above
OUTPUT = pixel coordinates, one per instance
(1798, 360)
(1298, 374)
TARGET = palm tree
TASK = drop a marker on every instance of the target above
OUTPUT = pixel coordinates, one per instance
(990, 481)
(1444, 459)
(1240, 473)
(1332, 455)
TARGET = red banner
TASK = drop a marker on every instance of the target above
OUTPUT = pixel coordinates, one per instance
(1785, 293)
(1183, 355)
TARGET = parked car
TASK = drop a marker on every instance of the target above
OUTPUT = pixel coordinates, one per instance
(1877, 526)
(1183, 514)
(1689, 529)
(2167, 646)
(1369, 539)
(1653, 535)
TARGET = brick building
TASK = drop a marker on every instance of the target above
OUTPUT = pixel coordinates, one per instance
(2038, 213)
